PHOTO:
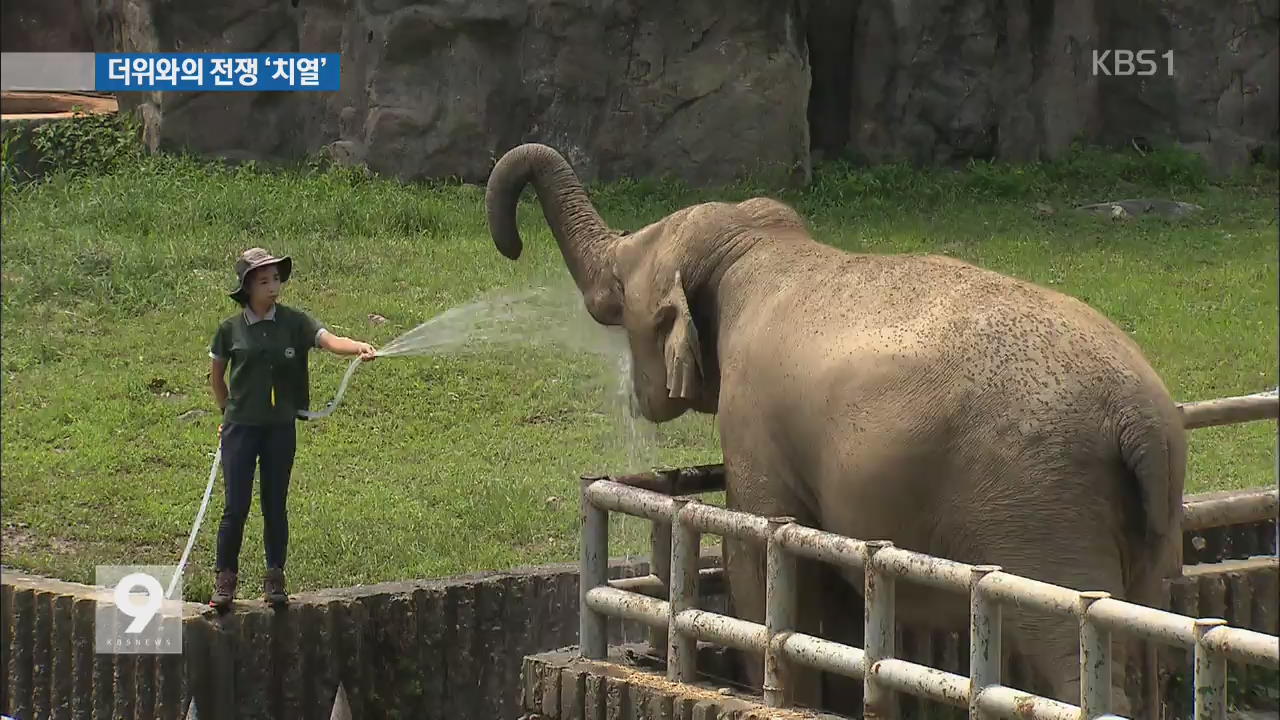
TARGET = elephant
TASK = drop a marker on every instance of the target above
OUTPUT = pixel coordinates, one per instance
(915, 398)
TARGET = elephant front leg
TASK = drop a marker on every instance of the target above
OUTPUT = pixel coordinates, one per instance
(745, 567)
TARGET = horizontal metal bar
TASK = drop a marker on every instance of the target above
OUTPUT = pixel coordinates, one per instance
(678, 481)
(814, 652)
(1007, 702)
(924, 569)
(620, 603)
(608, 495)
(712, 519)
(711, 582)
(923, 681)
(821, 545)
(1145, 622)
(1024, 592)
(1239, 508)
(1244, 646)
(723, 630)
(1230, 410)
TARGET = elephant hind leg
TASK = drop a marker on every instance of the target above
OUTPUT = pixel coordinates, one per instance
(1049, 648)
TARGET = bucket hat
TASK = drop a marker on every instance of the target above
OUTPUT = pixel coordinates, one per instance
(251, 260)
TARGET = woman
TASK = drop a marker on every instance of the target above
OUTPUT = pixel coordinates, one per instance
(266, 346)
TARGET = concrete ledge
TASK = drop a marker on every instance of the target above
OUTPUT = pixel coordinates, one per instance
(559, 685)
(440, 648)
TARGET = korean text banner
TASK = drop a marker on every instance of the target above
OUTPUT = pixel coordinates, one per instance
(203, 72)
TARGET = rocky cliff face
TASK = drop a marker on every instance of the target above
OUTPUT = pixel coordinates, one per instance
(438, 88)
(938, 81)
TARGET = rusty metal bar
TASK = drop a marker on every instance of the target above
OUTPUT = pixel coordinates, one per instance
(678, 481)
(1249, 506)
(722, 629)
(878, 701)
(727, 523)
(593, 638)
(1210, 674)
(1095, 660)
(1230, 410)
(660, 562)
(1006, 702)
(922, 681)
(682, 648)
(1098, 614)
(984, 638)
(711, 582)
(780, 612)
(609, 495)
(925, 569)
(1005, 588)
(1149, 623)
(620, 603)
(827, 547)
(814, 652)
(1245, 646)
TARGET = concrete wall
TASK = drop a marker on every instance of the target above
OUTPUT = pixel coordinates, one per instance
(449, 648)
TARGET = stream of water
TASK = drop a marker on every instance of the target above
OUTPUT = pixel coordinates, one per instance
(552, 317)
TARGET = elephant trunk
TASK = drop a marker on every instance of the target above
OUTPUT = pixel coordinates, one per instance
(585, 241)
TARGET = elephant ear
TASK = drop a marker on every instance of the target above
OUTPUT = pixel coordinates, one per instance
(681, 351)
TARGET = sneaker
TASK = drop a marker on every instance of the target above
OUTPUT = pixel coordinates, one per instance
(273, 587)
(224, 589)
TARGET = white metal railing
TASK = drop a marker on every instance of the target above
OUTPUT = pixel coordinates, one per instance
(684, 520)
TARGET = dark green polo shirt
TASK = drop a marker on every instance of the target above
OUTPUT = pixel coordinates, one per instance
(266, 354)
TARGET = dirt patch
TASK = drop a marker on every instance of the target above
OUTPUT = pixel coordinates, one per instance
(17, 537)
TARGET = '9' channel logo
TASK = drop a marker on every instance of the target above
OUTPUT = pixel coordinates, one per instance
(133, 614)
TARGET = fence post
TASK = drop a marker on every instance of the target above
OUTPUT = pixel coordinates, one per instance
(780, 614)
(984, 639)
(593, 628)
(1095, 660)
(1211, 675)
(660, 565)
(682, 659)
(878, 701)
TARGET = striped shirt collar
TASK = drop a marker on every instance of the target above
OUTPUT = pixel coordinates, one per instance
(250, 317)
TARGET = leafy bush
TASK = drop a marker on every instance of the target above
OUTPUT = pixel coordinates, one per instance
(88, 144)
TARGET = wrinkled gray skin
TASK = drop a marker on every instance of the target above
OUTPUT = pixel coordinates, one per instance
(952, 410)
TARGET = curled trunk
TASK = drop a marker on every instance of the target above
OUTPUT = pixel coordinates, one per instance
(585, 241)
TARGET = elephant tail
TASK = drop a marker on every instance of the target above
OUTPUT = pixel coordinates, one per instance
(1153, 446)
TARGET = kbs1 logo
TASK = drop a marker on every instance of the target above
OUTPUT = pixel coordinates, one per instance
(1127, 63)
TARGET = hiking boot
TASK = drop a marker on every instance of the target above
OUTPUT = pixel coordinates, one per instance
(273, 587)
(224, 589)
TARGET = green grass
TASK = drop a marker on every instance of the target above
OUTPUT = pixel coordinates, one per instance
(113, 285)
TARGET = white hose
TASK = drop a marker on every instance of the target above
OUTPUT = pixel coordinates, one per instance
(191, 540)
(337, 398)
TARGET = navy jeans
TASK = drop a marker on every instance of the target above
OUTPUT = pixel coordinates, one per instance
(271, 448)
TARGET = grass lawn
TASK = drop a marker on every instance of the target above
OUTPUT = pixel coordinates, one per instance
(436, 465)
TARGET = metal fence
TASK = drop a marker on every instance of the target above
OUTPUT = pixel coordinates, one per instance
(676, 622)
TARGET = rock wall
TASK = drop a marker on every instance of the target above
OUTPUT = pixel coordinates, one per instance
(932, 82)
(440, 88)
(44, 26)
